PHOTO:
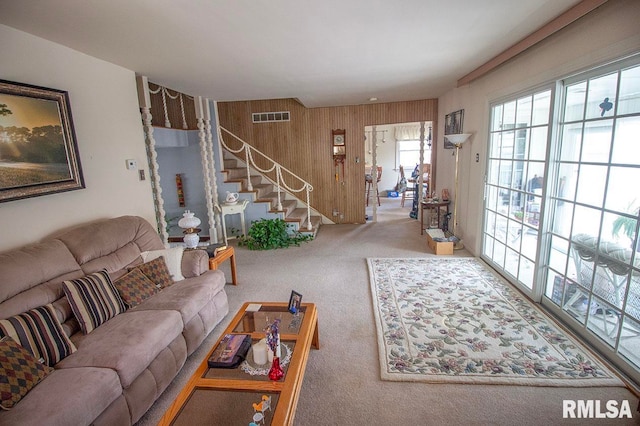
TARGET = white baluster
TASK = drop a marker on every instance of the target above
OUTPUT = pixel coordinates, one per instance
(247, 155)
(278, 178)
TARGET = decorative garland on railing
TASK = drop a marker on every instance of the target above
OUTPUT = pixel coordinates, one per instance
(280, 180)
(165, 93)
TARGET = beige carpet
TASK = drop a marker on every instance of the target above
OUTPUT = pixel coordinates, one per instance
(342, 383)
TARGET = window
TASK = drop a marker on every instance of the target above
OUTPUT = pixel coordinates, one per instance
(409, 154)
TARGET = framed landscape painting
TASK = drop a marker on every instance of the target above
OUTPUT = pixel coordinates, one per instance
(38, 148)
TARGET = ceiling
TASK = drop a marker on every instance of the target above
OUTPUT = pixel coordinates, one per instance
(324, 53)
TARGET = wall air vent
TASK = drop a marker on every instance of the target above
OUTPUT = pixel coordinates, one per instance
(268, 117)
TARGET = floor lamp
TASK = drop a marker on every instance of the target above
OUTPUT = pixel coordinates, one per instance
(457, 140)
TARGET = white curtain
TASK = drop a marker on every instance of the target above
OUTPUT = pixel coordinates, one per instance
(407, 133)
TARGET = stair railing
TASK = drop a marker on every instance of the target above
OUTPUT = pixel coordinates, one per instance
(277, 168)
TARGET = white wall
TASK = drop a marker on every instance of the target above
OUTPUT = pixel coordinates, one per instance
(609, 32)
(108, 128)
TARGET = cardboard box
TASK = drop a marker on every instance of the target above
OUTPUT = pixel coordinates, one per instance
(439, 247)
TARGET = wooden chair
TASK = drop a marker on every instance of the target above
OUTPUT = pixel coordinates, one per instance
(409, 188)
(412, 184)
(369, 181)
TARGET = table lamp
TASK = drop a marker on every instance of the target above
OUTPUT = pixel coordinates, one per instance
(189, 223)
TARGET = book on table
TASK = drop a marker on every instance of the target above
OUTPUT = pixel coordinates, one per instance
(213, 249)
(231, 351)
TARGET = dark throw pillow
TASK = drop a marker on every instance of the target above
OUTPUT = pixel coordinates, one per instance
(19, 372)
(157, 271)
(135, 287)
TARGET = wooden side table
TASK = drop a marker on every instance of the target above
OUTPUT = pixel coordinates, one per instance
(431, 205)
(228, 253)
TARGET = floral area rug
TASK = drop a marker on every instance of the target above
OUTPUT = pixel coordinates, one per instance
(453, 320)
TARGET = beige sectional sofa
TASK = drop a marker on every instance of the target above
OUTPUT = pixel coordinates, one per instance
(120, 368)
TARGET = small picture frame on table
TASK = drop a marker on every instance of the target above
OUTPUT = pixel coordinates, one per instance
(295, 300)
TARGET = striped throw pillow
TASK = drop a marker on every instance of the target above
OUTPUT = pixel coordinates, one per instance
(19, 372)
(93, 299)
(40, 332)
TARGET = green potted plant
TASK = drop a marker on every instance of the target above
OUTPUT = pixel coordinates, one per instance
(266, 234)
(627, 225)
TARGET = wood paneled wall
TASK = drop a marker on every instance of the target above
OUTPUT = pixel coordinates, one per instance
(174, 110)
(303, 144)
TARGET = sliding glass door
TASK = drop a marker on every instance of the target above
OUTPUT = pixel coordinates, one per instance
(592, 271)
(562, 204)
(519, 135)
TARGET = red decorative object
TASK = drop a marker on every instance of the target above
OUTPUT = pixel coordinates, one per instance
(180, 190)
(276, 373)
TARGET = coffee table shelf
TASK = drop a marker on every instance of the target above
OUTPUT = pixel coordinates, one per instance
(298, 332)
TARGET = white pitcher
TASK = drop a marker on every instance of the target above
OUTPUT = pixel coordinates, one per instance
(232, 197)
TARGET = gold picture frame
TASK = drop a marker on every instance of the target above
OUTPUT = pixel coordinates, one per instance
(38, 147)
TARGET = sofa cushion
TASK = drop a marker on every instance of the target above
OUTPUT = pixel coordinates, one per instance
(19, 372)
(187, 296)
(111, 244)
(135, 287)
(32, 276)
(126, 343)
(40, 332)
(156, 270)
(173, 257)
(76, 396)
(93, 300)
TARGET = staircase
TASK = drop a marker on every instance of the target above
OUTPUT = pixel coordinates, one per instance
(261, 191)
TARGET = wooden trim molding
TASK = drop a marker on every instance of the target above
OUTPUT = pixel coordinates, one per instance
(571, 15)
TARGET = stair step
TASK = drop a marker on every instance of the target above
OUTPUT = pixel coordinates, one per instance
(316, 221)
(236, 173)
(262, 190)
(300, 216)
(297, 215)
(255, 180)
(230, 163)
(288, 206)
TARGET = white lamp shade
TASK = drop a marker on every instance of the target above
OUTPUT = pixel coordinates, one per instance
(188, 220)
(459, 138)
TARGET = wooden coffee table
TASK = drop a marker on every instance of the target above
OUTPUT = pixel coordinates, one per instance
(226, 396)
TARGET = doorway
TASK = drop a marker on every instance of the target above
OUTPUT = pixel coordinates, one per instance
(390, 146)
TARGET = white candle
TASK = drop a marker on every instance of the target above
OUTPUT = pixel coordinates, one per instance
(260, 353)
